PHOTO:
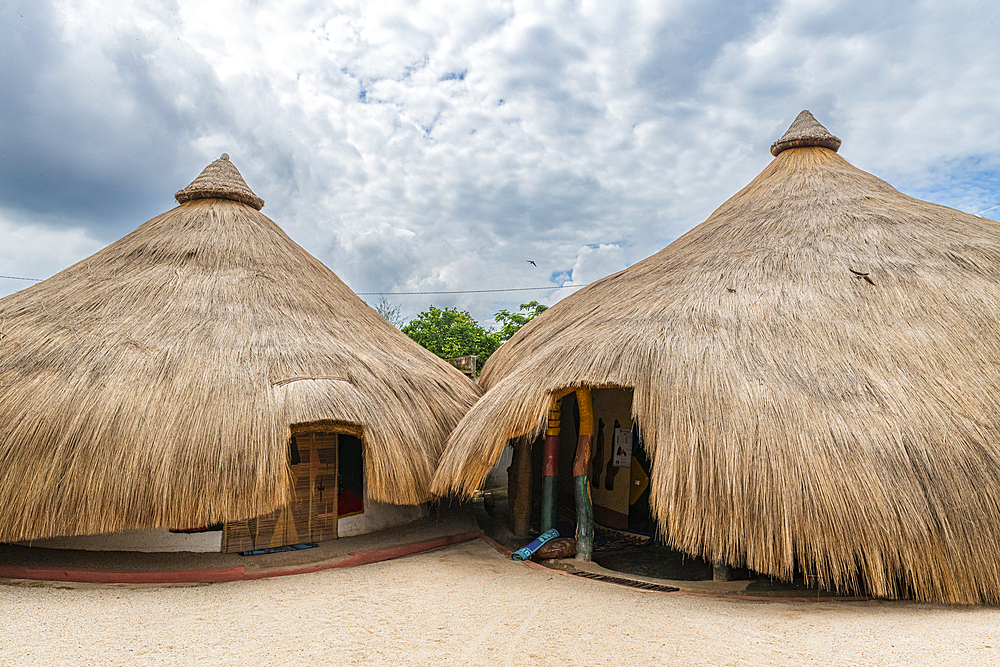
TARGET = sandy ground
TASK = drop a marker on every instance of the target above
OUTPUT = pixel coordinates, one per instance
(467, 604)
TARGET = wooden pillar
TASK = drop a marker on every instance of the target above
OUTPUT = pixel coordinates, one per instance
(581, 485)
(519, 486)
(550, 467)
(335, 501)
(313, 470)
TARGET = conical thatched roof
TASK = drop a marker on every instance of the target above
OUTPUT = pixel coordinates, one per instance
(816, 379)
(154, 383)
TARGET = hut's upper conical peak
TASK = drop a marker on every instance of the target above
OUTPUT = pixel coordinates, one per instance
(805, 131)
(220, 180)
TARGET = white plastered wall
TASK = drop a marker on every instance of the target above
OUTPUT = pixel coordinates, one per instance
(152, 540)
(378, 516)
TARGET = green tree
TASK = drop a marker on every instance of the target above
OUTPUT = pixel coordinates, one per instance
(511, 323)
(452, 333)
(390, 312)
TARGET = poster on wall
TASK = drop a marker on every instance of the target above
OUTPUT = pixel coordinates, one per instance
(623, 448)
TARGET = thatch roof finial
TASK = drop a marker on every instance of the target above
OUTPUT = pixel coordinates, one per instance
(220, 180)
(805, 131)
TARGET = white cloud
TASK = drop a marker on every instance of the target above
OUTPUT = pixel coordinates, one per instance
(593, 263)
(30, 249)
(419, 146)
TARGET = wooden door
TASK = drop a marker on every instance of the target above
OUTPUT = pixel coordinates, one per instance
(323, 503)
(312, 516)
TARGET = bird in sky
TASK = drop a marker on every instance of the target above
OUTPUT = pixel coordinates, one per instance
(532, 263)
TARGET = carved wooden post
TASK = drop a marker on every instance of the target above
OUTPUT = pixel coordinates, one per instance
(581, 487)
(550, 468)
(519, 486)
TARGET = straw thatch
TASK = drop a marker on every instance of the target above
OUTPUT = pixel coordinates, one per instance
(815, 371)
(220, 180)
(805, 131)
(154, 384)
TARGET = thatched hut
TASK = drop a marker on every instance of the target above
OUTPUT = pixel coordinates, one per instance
(813, 375)
(205, 369)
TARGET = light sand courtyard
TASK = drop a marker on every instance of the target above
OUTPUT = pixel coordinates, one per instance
(467, 604)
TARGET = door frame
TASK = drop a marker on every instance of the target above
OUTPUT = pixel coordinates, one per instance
(305, 433)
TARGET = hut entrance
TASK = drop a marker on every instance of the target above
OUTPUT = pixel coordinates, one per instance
(615, 476)
(619, 468)
(328, 477)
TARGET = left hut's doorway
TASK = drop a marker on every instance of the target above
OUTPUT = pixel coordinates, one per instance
(312, 516)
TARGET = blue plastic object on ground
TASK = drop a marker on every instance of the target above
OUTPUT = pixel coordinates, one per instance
(274, 550)
(534, 545)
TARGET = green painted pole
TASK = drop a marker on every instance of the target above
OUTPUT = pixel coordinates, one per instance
(550, 484)
(581, 484)
(584, 518)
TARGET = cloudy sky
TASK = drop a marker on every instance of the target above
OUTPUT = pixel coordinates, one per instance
(432, 146)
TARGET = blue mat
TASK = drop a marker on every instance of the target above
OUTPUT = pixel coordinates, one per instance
(275, 550)
(534, 545)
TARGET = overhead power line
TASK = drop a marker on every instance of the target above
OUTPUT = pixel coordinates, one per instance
(461, 291)
(475, 291)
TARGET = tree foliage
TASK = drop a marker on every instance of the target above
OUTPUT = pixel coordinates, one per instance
(450, 333)
(511, 323)
(389, 312)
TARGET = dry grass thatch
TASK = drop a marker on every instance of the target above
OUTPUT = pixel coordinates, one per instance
(154, 384)
(815, 371)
